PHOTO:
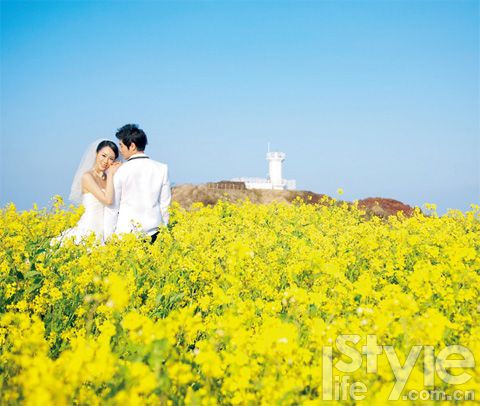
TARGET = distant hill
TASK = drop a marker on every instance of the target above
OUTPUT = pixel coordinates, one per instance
(210, 193)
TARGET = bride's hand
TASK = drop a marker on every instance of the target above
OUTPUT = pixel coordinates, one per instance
(113, 168)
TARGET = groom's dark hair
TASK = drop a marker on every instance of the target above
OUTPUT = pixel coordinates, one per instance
(131, 133)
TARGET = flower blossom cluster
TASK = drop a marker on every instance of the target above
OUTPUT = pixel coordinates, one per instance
(232, 304)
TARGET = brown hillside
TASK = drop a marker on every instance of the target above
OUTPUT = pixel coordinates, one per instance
(210, 193)
(385, 207)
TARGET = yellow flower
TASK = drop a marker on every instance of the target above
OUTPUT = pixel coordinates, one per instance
(118, 290)
(234, 305)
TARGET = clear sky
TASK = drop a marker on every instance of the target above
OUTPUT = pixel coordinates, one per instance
(380, 98)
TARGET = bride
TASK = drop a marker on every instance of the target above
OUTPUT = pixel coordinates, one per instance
(93, 187)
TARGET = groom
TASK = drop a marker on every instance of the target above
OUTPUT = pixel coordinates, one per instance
(142, 188)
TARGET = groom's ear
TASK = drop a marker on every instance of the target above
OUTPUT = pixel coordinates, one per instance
(133, 146)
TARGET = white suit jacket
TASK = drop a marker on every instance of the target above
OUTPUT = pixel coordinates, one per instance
(142, 197)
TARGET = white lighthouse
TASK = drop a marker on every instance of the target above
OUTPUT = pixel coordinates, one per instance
(275, 160)
(275, 177)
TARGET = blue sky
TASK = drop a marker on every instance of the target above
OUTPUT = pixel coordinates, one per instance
(380, 98)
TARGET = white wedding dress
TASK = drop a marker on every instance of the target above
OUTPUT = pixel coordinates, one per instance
(90, 222)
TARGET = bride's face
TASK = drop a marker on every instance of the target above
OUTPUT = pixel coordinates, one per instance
(105, 157)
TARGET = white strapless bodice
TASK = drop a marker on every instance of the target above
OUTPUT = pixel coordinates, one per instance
(91, 220)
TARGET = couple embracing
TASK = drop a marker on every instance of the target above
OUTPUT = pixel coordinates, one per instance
(133, 196)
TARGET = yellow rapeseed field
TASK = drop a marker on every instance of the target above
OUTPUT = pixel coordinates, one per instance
(237, 304)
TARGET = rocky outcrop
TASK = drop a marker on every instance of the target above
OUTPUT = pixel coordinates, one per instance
(385, 207)
(188, 194)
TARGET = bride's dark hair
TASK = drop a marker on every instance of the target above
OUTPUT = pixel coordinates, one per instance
(110, 144)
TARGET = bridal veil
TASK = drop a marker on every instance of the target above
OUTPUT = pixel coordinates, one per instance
(86, 163)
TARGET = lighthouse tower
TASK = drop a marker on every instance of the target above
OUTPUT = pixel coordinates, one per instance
(275, 160)
(275, 180)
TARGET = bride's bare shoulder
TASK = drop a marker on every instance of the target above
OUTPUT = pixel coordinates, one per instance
(88, 179)
(87, 176)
